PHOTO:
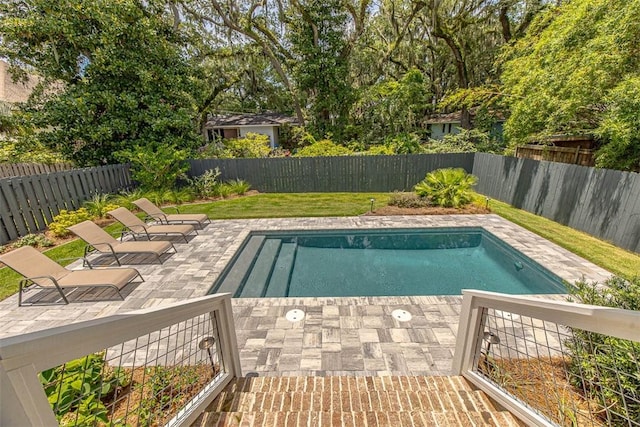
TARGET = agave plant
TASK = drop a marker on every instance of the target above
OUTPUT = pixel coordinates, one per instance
(447, 187)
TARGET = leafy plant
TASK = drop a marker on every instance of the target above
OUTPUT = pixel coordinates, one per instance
(325, 147)
(154, 166)
(408, 200)
(206, 184)
(606, 368)
(74, 389)
(100, 204)
(223, 190)
(126, 198)
(238, 186)
(66, 219)
(447, 187)
(35, 240)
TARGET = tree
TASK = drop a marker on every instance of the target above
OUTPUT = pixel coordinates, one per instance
(578, 71)
(317, 33)
(114, 75)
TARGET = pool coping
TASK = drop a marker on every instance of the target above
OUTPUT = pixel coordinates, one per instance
(339, 335)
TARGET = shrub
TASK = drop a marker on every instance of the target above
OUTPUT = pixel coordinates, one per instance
(323, 148)
(99, 205)
(35, 240)
(126, 198)
(408, 200)
(447, 187)
(223, 190)
(239, 186)
(156, 167)
(66, 219)
(606, 368)
(253, 145)
(206, 184)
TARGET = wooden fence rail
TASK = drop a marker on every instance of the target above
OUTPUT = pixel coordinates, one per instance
(8, 170)
(29, 203)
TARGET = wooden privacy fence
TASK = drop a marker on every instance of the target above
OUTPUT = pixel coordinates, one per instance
(602, 202)
(576, 156)
(8, 170)
(333, 174)
(28, 203)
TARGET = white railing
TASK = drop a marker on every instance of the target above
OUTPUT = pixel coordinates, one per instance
(533, 356)
(194, 339)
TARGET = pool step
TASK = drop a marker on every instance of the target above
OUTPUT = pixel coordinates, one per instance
(242, 265)
(255, 285)
(282, 271)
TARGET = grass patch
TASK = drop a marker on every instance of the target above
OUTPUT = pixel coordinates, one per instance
(610, 257)
(287, 205)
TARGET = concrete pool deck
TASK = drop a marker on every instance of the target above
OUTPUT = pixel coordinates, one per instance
(353, 335)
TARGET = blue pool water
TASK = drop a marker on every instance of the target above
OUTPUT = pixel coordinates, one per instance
(381, 263)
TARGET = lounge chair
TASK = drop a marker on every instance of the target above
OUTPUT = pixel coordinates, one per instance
(138, 228)
(199, 220)
(99, 240)
(41, 271)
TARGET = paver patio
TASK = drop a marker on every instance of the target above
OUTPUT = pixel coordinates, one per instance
(354, 335)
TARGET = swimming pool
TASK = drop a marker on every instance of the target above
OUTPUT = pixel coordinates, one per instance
(382, 262)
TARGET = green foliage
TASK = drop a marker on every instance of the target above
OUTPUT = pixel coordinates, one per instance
(606, 368)
(126, 198)
(66, 219)
(114, 75)
(156, 166)
(408, 200)
(324, 147)
(100, 204)
(253, 145)
(577, 72)
(465, 141)
(75, 388)
(447, 187)
(318, 39)
(392, 107)
(35, 240)
(223, 190)
(239, 186)
(206, 184)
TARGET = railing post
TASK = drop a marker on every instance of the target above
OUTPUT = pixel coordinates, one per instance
(228, 339)
(469, 332)
(23, 399)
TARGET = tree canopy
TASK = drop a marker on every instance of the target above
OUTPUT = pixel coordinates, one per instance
(577, 72)
(126, 75)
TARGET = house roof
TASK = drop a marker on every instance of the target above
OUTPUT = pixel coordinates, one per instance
(263, 119)
(444, 118)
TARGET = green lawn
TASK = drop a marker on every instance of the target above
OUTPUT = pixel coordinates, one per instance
(287, 205)
(606, 255)
(619, 261)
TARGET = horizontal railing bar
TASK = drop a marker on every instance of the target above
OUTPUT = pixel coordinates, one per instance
(52, 347)
(609, 321)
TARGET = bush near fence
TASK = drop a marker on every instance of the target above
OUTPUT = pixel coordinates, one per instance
(604, 203)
